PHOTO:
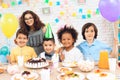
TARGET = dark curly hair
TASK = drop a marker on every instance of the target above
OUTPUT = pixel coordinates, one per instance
(37, 23)
(67, 29)
(86, 26)
(21, 31)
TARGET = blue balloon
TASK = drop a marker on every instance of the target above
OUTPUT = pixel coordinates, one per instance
(4, 50)
(3, 59)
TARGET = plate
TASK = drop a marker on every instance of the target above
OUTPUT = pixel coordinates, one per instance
(35, 66)
(63, 76)
(64, 69)
(69, 64)
(22, 78)
(101, 76)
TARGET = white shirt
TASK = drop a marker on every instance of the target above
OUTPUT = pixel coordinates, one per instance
(73, 55)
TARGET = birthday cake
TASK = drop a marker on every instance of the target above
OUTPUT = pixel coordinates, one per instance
(36, 63)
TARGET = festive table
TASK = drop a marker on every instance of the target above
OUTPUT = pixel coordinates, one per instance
(54, 72)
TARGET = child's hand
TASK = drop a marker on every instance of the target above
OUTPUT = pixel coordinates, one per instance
(8, 58)
(59, 50)
(62, 57)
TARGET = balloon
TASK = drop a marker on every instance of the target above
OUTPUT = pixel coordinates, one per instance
(4, 50)
(110, 9)
(9, 24)
(0, 15)
(3, 59)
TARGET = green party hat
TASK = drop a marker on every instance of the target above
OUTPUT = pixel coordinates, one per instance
(48, 33)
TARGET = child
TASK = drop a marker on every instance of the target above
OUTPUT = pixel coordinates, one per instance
(21, 49)
(68, 36)
(48, 44)
(92, 46)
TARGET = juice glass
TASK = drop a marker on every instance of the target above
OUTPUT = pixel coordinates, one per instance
(103, 60)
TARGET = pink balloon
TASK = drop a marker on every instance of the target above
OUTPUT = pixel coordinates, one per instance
(110, 9)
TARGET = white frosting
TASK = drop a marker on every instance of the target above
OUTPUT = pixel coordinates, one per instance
(36, 64)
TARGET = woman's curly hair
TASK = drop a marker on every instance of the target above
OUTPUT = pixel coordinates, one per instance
(37, 22)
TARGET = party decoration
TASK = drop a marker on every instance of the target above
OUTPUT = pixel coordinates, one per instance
(89, 11)
(13, 3)
(46, 10)
(65, 1)
(97, 11)
(110, 9)
(3, 59)
(57, 3)
(56, 20)
(4, 50)
(19, 2)
(0, 15)
(62, 13)
(4, 5)
(88, 15)
(50, 3)
(9, 24)
(46, 1)
(74, 14)
(83, 16)
(80, 10)
(48, 33)
(81, 1)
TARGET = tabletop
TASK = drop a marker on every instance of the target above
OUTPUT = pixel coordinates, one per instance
(54, 72)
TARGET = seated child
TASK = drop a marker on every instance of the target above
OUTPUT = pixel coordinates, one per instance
(91, 45)
(22, 50)
(68, 36)
(48, 45)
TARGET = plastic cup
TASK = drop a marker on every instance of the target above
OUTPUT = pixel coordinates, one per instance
(112, 64)
(20, 61)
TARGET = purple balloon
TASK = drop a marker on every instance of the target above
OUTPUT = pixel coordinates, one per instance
(110, 9)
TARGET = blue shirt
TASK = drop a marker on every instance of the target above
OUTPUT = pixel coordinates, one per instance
(94, 49)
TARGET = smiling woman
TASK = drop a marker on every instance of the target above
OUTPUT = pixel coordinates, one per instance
(31, 22)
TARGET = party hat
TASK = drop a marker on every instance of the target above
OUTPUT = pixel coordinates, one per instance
(48, 33)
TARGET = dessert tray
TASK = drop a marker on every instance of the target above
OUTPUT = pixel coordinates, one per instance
(33, 76)
(71, 76)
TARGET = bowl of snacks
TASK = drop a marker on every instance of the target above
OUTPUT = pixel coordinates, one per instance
(86, 65)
